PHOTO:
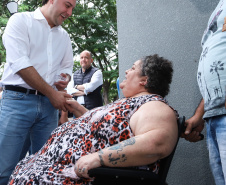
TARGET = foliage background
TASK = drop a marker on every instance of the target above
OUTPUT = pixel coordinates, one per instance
(92, 26)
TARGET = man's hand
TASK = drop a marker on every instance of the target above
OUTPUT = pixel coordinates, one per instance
(79, 93)
(58, 100)
(194, 127)
(63, 82)
(85, 163)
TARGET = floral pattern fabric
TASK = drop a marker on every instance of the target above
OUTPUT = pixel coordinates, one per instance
(96, 129)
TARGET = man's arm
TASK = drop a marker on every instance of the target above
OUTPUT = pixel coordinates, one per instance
(71, 89)
(95, 82)
(156, 135)
(15, 35)
(33, 79)
(195, 124)
(79, 93)
(66, 67)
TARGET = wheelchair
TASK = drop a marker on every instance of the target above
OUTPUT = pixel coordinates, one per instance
(126, 175)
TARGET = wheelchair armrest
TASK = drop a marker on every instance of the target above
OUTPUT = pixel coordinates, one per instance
(122, 176)
(122, 172)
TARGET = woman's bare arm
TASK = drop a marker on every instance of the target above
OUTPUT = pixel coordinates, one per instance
(156, 135)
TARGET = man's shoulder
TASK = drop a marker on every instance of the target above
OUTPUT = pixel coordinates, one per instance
(95, 69)
(20, 18)
(63, 31)
(22, 15)
(78, 71)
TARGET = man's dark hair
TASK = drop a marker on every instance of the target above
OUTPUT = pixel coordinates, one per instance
(44, 2)
(159, 72)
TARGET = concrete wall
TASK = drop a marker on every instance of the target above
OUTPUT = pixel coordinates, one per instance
(173, 29)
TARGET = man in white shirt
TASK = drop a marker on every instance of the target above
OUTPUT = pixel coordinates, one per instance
(86, 84)
(38, 50)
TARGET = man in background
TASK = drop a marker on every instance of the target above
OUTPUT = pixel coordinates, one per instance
(86, 85)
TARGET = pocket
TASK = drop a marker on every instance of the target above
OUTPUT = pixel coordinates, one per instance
(11, 101)
(13, 95)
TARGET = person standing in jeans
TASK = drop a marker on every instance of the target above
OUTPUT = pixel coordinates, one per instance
(38, 51)
(211, 77)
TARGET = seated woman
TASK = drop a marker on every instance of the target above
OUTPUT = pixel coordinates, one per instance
(137, 130)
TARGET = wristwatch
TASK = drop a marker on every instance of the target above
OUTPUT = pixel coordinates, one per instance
(76, 86)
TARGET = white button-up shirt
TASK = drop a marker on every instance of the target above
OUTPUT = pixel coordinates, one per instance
(95, 82)
(30, 41)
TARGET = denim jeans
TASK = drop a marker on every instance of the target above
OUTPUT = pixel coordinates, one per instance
(216, 142)
(26, 148)
(21, 114)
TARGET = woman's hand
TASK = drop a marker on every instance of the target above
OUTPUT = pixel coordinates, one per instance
(74, 107)
(85, 163)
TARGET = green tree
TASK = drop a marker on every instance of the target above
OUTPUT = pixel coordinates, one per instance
(93, 27)
(4, 15)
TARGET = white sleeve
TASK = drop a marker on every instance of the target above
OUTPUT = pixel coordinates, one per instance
(70, 87)
(16, 42)
(66, 65)
(96, 81)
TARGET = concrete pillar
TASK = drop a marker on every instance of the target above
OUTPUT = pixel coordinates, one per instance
(172, 29)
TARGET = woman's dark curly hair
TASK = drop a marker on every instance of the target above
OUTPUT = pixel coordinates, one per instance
(159, 72)
(44, 2)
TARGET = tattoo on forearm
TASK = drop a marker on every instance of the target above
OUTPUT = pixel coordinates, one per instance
(100, 153)
(119, 147)
(120, 159)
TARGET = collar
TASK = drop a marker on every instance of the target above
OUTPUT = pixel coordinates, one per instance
(39, 16)
(87, 70)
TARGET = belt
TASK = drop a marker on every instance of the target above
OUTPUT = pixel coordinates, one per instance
(22, 89)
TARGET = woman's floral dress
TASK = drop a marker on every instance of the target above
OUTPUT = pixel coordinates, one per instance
(96, 129)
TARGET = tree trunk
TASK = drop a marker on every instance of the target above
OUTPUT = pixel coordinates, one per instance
(105, 93)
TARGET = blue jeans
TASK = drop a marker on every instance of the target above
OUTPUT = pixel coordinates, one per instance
(216, 142)
(21, 114)
(26, 148)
